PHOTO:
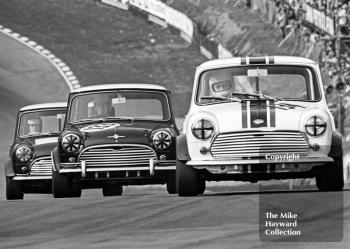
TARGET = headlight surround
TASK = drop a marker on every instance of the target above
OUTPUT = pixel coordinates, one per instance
(24, 153)
(162, 139)
(315, 126)
(71, 142)
(203, 129)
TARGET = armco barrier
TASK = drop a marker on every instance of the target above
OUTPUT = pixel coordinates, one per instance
(160, 13)
(180, 21)
(68, 76)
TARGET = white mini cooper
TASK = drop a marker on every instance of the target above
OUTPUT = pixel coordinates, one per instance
(258, 118)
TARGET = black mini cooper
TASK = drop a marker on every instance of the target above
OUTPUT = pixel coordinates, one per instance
(115, 135)
(28, 169)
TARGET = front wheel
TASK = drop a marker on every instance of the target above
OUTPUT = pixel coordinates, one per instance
(171, 184)
(13, 190)
(186, 179)
(60, 185)
(330, 177)
(75, 191)
(200, 186)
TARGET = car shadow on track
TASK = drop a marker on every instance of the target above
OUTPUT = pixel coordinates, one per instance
(266, 192)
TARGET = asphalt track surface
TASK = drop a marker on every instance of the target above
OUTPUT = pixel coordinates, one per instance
(144, 217)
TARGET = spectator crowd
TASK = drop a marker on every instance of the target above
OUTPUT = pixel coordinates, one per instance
(317, 45)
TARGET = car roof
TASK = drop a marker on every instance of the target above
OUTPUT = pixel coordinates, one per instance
(249, 60)
(120, 86)
(44, 106)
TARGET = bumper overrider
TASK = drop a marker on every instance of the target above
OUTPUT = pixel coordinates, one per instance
(240, 166)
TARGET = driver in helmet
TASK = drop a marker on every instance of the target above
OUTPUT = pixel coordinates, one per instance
(103, 106)
(221, 83)
(34, 126)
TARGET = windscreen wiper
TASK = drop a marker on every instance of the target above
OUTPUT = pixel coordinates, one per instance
(258, 95)
(50, 133)
(290, 105)
(41, 134)
(88, 120)
(120, 118)
(232, 99)
(274, 98)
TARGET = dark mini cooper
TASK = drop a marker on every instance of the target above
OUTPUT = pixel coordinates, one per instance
(115, 135)
(28, 170)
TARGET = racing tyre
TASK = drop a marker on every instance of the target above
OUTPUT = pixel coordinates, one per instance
(200, 186)
(330, 177)
(171, 184)
(75, 191)
(112, 190)
(13, 190)
(60, 185)
(186, 179)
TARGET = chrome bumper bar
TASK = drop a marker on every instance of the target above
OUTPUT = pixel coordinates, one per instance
(31, 178)
(82, 168)
(245, 166)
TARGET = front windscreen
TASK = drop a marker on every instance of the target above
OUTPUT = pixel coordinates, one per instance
(38, 123)
(282, 82)
(134, 104)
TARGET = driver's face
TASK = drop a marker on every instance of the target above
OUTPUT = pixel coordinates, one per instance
(102, 107)
(34, 128)
(221, 88)
(221, 83)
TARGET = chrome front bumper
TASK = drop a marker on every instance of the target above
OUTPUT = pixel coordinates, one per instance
(248, 166)
(82, 168)
(31, 178)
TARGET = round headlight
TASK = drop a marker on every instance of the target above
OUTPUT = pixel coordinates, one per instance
(71, 142)
(24, 153)
(203, 129)
(315, 126)
(162, 139)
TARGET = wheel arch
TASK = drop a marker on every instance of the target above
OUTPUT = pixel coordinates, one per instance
(182, 149)
(8, 168)
(336, 145)
(55, 159)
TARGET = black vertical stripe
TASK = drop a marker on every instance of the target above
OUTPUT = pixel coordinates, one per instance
(244, 114)
(272, 114)
(257, 60)
(258, 112)
(243, 61)
(271, 60)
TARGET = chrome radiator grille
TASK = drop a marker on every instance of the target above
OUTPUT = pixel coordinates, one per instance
(257, 144)
(117, 156)
(41, 167)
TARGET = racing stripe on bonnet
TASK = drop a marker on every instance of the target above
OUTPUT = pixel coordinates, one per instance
(244, 114)
(258, 112)
(272, 114)
(248, 114)
(271, 117)
(268, 110)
